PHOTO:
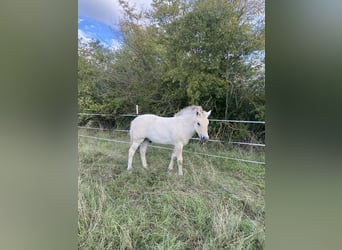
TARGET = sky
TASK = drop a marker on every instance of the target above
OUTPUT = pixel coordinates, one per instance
(107, 11)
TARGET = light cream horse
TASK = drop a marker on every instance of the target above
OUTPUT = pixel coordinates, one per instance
(175, 131)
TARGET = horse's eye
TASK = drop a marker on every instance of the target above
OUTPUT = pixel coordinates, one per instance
(198, 124)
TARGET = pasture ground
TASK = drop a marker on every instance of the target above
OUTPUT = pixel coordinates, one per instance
(217, 204)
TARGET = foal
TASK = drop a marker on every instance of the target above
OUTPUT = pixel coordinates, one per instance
(175, 131)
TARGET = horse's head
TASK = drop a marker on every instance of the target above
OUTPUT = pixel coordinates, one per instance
(201, 125)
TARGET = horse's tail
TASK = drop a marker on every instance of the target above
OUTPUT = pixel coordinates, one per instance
(131, 132)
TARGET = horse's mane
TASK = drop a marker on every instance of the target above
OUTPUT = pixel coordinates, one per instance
(189, 110)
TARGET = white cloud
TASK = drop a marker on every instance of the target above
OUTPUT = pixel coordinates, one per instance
(83, 36)
(107, 11)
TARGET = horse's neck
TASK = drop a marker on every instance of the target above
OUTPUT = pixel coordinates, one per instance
(186, 124)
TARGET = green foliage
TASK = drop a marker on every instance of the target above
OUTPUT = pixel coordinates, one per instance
(180, 53)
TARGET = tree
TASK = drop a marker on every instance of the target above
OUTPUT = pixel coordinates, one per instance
(183, 52)
(98, 92)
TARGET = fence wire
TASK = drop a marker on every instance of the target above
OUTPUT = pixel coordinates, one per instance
(196, 139)
(166, 148)
(134, 115)
(186, 151)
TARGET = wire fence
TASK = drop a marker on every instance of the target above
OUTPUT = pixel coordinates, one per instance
(195, 139)
(134, 115)
(167, 148)
(213, 120)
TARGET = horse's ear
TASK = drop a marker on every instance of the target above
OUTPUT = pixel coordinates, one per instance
(207, 113)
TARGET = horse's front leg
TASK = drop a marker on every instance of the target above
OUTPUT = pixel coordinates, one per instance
(179, 149)
(173, 158)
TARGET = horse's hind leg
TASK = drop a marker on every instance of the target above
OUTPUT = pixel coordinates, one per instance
(143, 148)
(131, 153)
(173, 158)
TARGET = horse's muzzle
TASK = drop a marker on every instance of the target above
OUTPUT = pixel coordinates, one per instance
(204, 139)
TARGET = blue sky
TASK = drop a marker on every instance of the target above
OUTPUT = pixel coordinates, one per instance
(107, 11)
(99, 19)
(89, 28)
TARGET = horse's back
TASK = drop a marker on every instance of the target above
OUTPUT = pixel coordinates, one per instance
(152, 127)
(141, 124)
(143, 120)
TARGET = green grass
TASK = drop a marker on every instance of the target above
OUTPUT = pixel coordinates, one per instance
(217, 204)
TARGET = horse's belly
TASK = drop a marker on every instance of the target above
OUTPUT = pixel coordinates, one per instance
(160, 138)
